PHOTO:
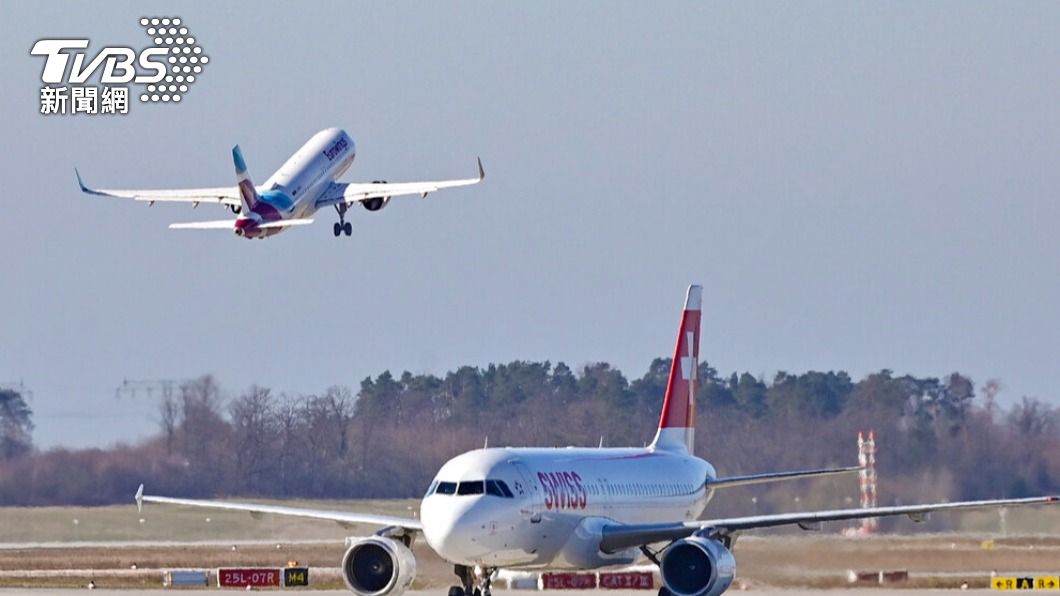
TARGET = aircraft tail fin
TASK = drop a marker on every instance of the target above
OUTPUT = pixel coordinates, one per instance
(678, 420)
(248, 195)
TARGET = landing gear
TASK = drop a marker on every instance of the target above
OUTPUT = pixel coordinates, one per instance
(653, 556)
(463, 572)
(342, 226)
(473, 581)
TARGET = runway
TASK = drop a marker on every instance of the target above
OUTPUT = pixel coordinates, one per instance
(764, 592)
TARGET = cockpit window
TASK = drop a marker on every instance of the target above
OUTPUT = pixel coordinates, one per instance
(508, 494)
(498, 488)
(473, 487)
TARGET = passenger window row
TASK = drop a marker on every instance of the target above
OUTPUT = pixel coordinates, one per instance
(496, 488)
(650, 490)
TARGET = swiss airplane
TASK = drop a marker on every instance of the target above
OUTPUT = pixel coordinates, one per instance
(578, 508)
(304, 184)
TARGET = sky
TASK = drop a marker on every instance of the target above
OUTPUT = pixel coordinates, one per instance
(858, 186)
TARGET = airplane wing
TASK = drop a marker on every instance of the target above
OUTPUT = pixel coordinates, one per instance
(618, 537)
(342, 517)
(224, 195)
(353, 192)
(776, 476)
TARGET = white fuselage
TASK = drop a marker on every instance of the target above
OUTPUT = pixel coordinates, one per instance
(293, 190)
(560, 498)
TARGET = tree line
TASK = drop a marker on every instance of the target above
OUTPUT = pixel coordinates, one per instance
(938, 438)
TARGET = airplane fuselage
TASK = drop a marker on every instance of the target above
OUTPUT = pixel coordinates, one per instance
(559, 498)
(293, 190)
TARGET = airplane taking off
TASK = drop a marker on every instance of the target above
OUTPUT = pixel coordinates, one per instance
(304, 184)
(577, 508)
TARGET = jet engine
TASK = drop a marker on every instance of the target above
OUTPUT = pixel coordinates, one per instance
(378, 202)
(697, 566)
(235, 209)
(378, 566)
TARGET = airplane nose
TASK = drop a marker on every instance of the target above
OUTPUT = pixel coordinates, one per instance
(451, 530)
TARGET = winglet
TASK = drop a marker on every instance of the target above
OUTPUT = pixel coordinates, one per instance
(88, 190)
(140, 499)
(481, 172)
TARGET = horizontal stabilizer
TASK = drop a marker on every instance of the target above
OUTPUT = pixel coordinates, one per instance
(217, 224)
(229, 224)
(283, 223)
(778, 476)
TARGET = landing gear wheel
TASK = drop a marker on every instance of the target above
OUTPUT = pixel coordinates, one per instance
(343, 226)
(476, 581)
(664, 592)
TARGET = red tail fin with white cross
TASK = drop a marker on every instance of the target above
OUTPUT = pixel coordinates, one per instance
(678, 420)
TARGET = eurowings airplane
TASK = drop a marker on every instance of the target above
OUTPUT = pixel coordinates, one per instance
(578, 508)
(304, 184)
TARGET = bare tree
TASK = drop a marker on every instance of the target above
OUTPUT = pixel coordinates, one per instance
(203, 434)
(169, 414)
(1032, 418)
(253, 437)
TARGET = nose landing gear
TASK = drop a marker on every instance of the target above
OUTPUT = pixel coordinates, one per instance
(342, 226)
(475, 581)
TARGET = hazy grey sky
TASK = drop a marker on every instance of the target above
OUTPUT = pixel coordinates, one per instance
(857, 186)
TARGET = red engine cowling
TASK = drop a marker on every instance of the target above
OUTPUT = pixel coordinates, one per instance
(697, 566)
(378, 566)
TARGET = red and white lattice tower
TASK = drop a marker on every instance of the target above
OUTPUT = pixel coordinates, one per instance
(867, 476)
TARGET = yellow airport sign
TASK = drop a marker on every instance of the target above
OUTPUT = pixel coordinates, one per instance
(1048, 582)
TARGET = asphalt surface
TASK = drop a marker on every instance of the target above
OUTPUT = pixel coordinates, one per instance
(764, 592)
